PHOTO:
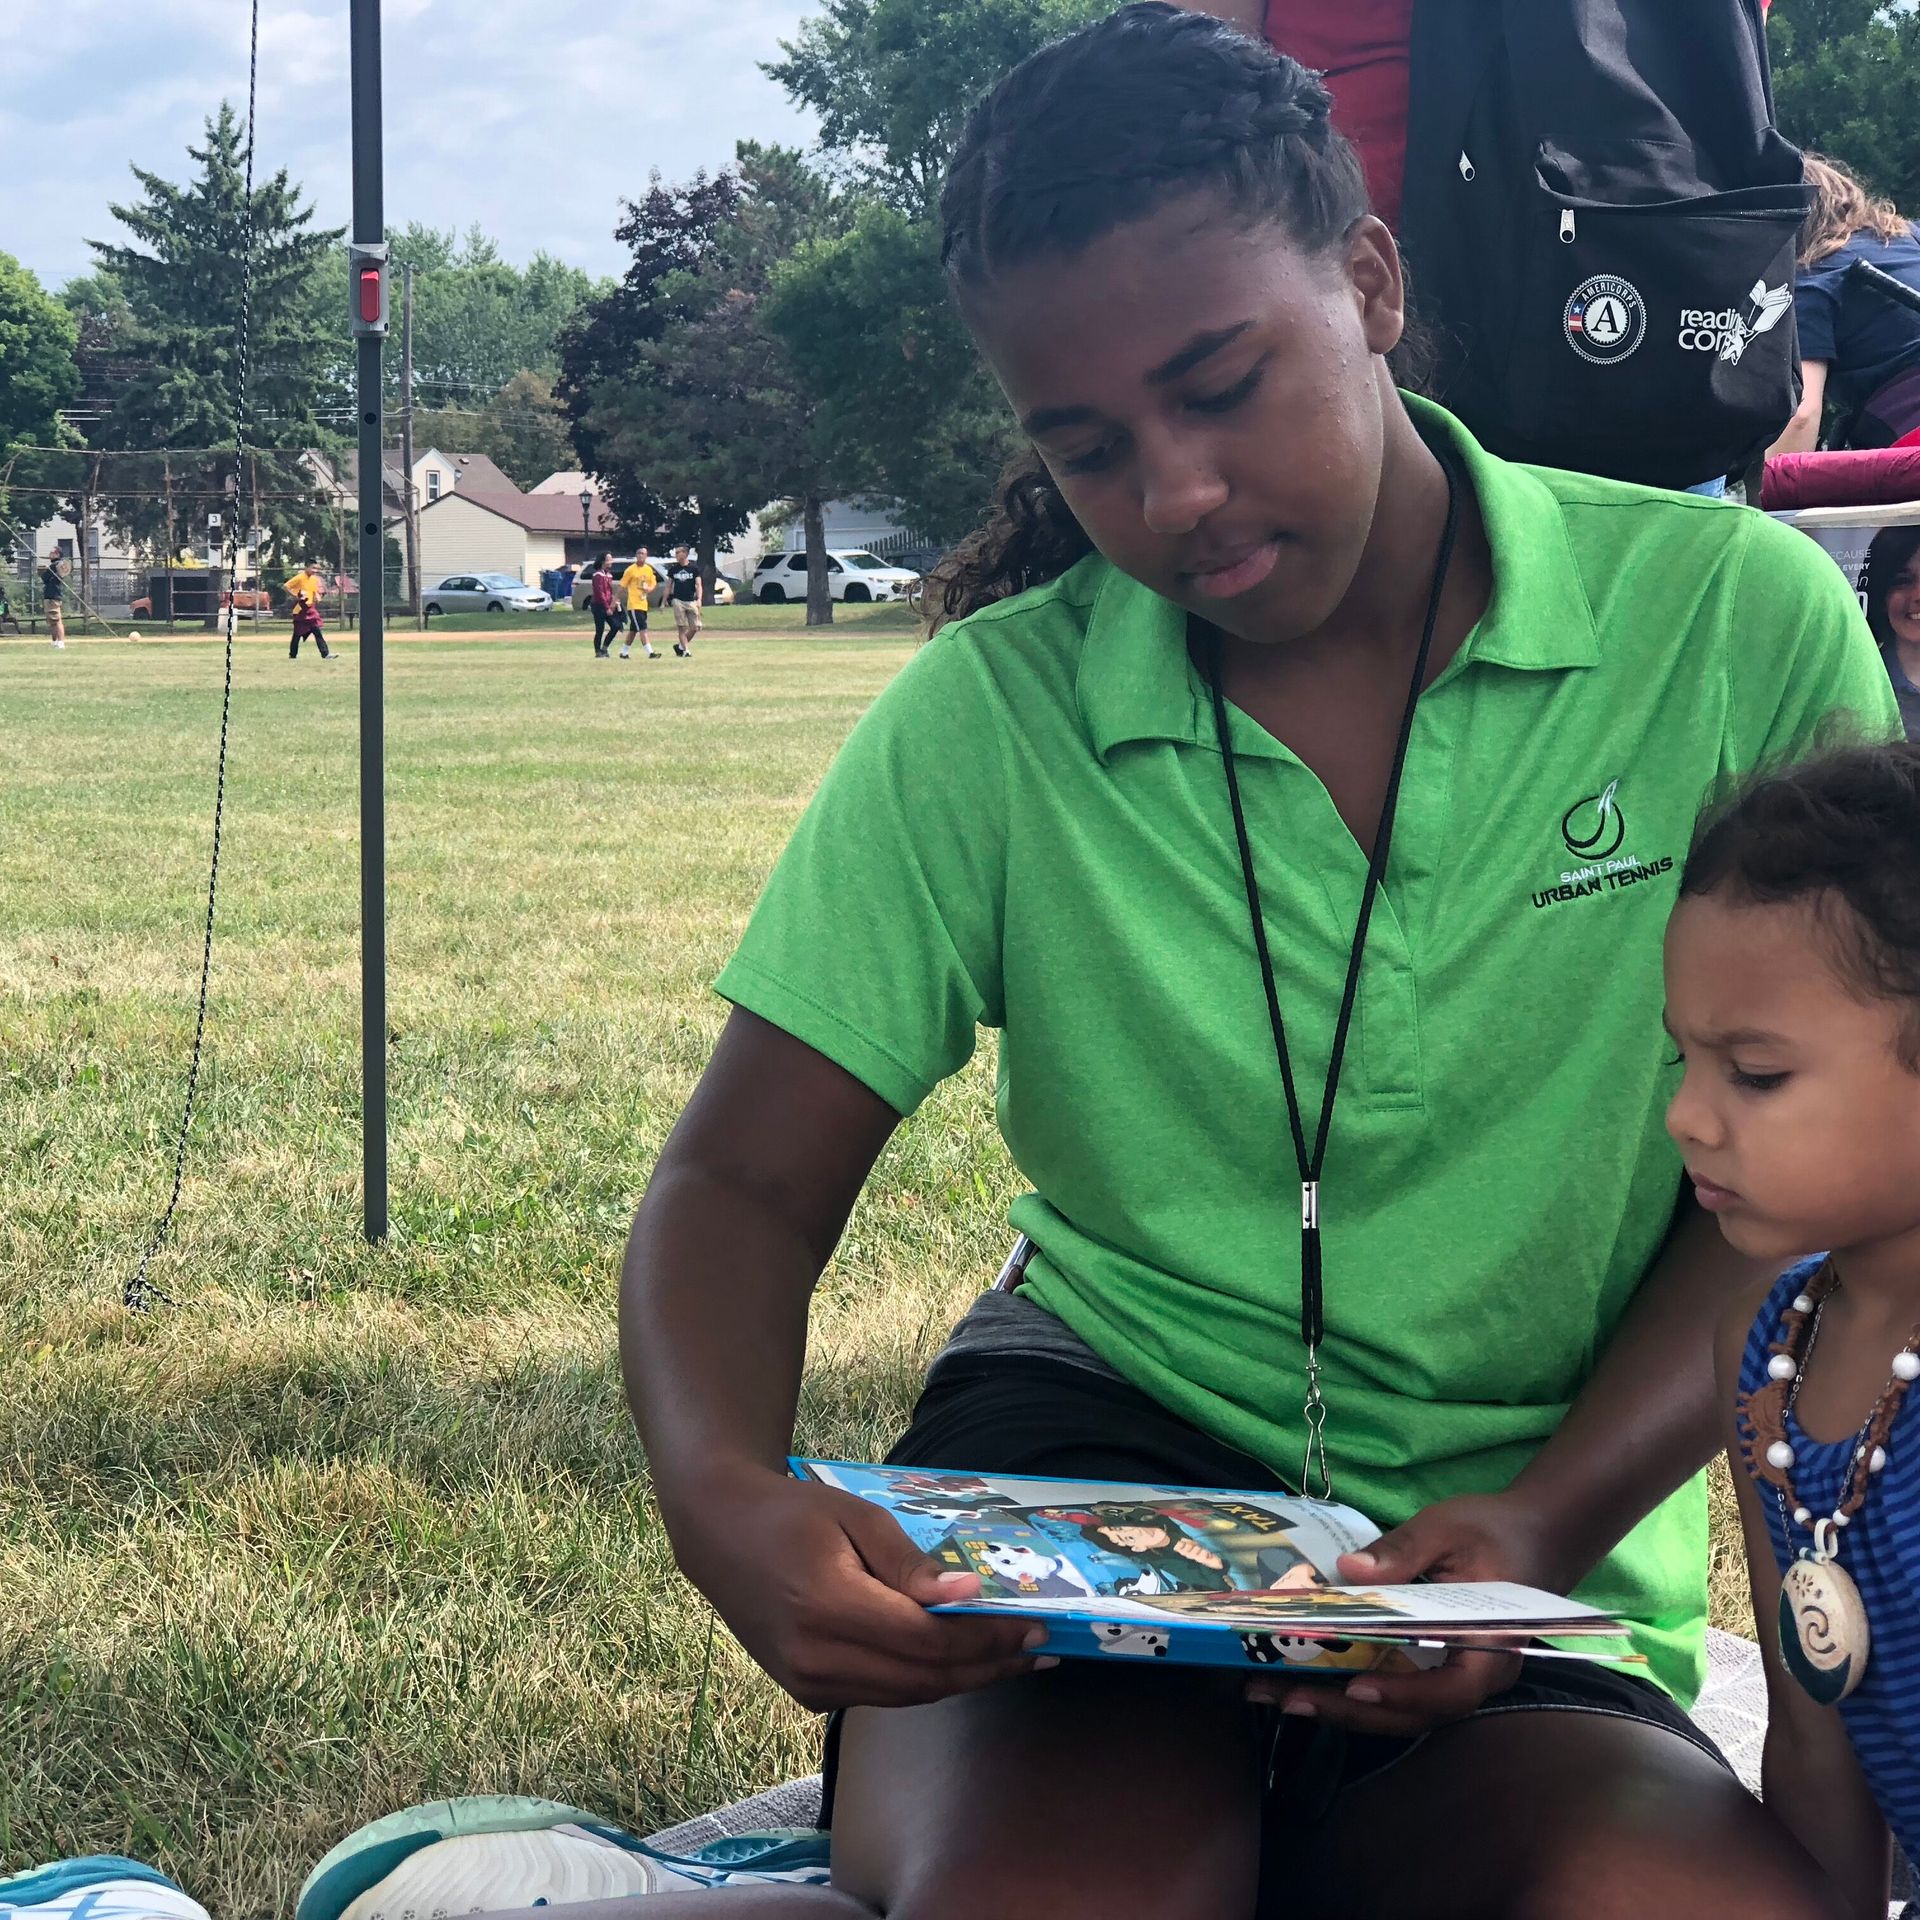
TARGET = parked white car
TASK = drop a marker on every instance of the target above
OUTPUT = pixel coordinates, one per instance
(484, 593)
(851, 575)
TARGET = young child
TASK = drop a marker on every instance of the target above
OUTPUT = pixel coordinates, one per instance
(1793, 996)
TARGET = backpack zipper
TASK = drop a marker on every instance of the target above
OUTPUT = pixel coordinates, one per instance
(1566, 226)
(1466, 166)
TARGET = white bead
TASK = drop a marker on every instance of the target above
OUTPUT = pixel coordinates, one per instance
(1802, 1517)
(1780, 1455)
(1803, 1303)
(1906, 1364)
(1878, 1462)
(1781, 1367)
(1843, 1519)
(1860, 1452)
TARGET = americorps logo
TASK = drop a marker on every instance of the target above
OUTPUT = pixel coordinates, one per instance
(1730, 332)
(1605, 319)
(1594, 830)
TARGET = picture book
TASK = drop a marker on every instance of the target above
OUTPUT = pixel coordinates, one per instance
(1197, 1575)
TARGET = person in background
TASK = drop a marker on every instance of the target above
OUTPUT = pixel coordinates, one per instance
(1859, 350)
(637, 586)
(600, 605)
(53, 595)
(1892, 588)
(304, 589)
(689, 595)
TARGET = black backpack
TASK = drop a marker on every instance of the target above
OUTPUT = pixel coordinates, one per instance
(1600, 222)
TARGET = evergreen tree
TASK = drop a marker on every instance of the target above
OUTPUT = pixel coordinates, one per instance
(176, 368)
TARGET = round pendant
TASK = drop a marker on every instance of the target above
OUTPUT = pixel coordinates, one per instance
(1824, 1639)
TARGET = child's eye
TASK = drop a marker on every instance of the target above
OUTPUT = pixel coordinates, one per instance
(1756, 1082)
(1230, 397)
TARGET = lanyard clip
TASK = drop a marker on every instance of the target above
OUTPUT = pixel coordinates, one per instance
(1310, 1206)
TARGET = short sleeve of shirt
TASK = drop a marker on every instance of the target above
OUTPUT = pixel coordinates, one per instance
(1816, 305)
(1803, 667)
(877, 941)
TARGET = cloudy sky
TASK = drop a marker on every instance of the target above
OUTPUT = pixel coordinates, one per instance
(532, 117)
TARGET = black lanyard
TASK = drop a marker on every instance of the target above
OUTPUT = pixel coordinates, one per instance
(1312, 1310)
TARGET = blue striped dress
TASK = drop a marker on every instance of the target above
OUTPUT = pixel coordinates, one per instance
(1881, 1550)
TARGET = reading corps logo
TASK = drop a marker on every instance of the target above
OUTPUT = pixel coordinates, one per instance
(1729, 332)
(1605, 319)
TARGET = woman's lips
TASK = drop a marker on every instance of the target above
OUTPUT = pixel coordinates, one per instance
(1241, 576)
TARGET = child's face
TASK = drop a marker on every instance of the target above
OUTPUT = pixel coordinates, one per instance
(1137, 1539)
(1799, 1124)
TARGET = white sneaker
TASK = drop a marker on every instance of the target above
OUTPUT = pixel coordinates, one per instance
(57, 643)
(484, 1872)
(99, 1887)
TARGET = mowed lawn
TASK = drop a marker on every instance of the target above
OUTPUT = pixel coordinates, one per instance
(341, 1528)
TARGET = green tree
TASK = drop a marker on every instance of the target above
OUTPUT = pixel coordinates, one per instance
(175, 368)
(1843, 77)
(38, 377)
(863, 312)
(523, 429)
(712, 402)
(892, 80)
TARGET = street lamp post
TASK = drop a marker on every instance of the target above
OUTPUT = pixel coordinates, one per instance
(586, 526)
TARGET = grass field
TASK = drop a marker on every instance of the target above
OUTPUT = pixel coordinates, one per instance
(347, 1528)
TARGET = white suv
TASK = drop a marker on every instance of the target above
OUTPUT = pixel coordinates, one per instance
(852, 576)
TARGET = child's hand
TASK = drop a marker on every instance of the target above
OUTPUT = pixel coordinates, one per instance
(1475, 1537)
(830, 1596)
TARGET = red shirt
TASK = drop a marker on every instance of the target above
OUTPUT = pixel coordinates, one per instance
(1363, 47)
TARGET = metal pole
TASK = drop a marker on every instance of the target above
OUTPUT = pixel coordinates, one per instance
(406, 443)
(370, 231)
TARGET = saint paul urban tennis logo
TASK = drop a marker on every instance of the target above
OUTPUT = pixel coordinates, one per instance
(1593, 830)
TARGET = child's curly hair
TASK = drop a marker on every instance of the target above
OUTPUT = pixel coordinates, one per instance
(1842, 833)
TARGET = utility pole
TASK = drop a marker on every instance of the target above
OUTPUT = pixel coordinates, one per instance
(406, 442)
(368, 278)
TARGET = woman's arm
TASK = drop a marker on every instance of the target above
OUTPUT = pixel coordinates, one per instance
(1811, 1778)
(1645, 1422)
(1803, 430)
(745, 1207)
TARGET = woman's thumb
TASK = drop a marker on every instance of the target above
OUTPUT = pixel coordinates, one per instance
(895, 1561)
(1402, 1555)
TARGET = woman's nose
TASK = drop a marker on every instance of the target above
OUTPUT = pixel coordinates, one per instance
(1178, 488)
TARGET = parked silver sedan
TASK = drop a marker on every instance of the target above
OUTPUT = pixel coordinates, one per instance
(484, 593)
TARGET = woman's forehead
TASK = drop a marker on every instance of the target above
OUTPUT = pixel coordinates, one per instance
(1128, 305)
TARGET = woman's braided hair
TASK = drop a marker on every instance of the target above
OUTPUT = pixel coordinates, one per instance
(1095, 131)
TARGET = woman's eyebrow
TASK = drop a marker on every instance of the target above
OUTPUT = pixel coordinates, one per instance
(1199, 348)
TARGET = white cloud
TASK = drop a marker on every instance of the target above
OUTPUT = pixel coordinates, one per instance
(534, 118)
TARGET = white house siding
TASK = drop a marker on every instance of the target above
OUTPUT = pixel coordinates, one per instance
(544, 551)
(456, 536)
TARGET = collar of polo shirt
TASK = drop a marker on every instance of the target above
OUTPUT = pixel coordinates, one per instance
(1136, 681)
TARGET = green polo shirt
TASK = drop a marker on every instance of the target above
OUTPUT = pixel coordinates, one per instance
(1029, 830)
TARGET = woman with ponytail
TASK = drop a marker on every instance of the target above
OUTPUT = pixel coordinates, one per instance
(1298, 792)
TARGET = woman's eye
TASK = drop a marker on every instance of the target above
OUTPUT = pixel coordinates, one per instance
(1094, 461)
(1230, 397)
(1756, 1082)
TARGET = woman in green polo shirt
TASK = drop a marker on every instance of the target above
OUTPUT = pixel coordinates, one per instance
(1294, 748)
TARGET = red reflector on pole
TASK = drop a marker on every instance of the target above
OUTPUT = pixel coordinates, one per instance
(370, 304)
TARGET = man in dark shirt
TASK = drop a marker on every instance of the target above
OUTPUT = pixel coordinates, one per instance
(53, 596)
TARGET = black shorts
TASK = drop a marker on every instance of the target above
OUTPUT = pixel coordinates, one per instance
(1018, 1413)
(637, 619)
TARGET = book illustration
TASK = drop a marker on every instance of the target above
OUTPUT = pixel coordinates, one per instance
(1192, 1575)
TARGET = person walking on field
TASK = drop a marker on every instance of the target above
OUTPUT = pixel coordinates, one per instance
(53, 594)
(637, 586)
(600, 604)
(304, 589)
(689, 596)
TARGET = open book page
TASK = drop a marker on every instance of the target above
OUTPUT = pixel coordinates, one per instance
(1202, 1575)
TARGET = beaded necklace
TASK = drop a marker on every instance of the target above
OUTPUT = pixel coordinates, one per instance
(1824, 1636)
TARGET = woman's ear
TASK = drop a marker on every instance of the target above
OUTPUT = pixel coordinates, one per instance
(1373, 268)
